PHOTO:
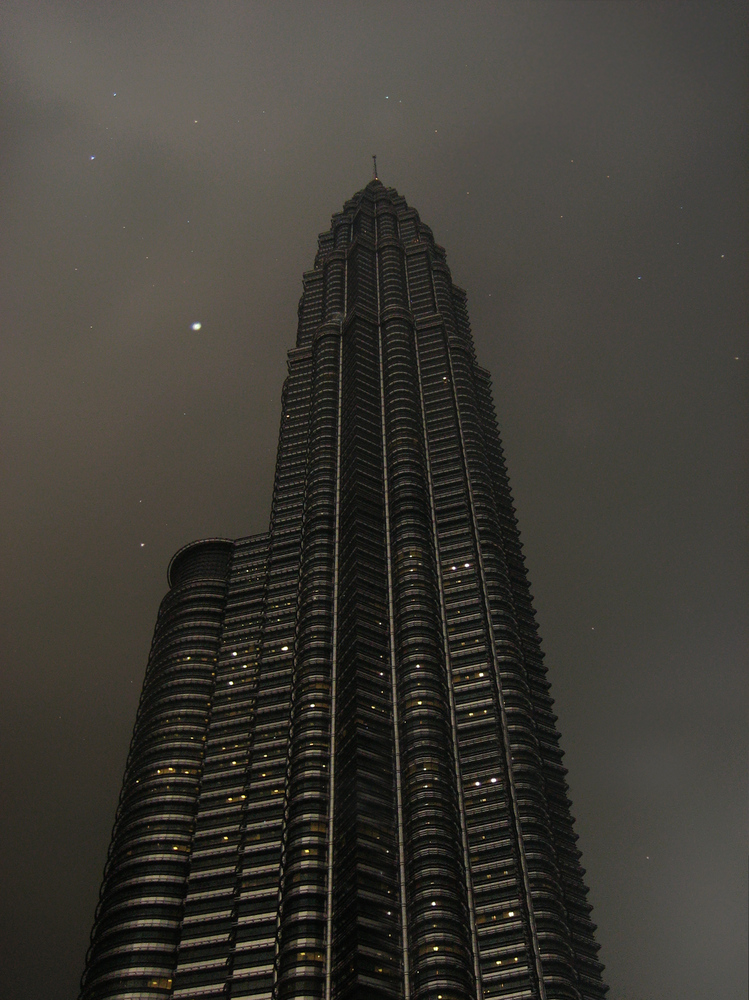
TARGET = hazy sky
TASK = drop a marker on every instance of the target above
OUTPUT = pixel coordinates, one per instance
(584, 164)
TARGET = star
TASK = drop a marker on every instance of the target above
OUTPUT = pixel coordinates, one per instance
(196, 326)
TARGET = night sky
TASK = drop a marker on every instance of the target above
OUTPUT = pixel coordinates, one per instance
(584, 165)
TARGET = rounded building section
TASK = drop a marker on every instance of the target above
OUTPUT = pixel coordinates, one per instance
(207, 559)
(136, 932)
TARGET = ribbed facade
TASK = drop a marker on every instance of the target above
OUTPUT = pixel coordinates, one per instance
(345, 780)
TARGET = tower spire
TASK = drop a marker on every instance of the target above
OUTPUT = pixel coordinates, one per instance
(374, 160)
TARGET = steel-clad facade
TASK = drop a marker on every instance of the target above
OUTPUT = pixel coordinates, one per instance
(345, 779)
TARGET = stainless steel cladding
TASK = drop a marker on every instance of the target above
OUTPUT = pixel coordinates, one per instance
(345, 780)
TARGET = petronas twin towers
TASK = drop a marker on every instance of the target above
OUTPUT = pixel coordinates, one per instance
(345, 780)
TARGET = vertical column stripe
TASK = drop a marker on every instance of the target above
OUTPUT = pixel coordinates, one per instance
(393, 675)
(333, 685)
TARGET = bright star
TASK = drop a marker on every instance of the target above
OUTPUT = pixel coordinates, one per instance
(196, 326)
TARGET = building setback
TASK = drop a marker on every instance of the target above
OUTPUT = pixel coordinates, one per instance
(345, 780)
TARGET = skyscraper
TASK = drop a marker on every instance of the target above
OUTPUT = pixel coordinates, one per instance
(344, 780)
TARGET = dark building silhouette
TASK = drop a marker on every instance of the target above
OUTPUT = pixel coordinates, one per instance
(345, 778)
